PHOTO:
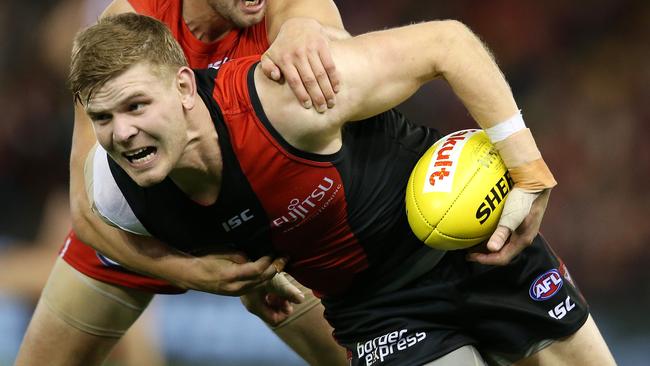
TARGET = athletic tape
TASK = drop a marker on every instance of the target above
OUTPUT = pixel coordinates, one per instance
(502, 130)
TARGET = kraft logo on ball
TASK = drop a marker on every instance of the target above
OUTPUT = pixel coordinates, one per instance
(546, 285)
(440, 173)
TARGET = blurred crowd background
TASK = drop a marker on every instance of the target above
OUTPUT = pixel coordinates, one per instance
(580, 73)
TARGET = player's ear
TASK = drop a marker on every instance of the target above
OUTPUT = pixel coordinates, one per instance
(186, 86)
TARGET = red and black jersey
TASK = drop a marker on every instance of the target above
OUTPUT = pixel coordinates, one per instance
(239, 42)
(339, 218)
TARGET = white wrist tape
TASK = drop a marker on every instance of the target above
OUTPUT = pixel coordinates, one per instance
(502, 130)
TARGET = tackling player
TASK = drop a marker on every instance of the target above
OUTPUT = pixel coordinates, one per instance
(331, 198)
(64, 329)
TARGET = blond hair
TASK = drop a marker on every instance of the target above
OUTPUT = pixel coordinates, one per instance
(108, 48)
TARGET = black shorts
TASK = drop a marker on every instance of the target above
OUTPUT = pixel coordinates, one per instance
(501, 310)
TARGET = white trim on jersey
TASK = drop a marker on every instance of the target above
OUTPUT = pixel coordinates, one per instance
(109, 201)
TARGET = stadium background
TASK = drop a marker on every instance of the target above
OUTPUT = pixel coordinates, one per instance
(579, 72)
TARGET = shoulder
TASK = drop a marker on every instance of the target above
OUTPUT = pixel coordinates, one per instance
(305, 129)
(231, 84)
(105, 196)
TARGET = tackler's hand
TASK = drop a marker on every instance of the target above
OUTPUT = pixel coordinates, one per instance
(272, 302)
(300, 54)
(230, 273)
(519, 224)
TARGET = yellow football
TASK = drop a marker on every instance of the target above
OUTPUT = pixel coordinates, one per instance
(456, 191)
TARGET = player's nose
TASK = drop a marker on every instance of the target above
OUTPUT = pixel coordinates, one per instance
(123, 130)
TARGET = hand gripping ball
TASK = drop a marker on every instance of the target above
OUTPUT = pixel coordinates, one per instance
(457, 190)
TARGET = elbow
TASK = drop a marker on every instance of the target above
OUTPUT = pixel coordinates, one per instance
(455, 26)
(452, 41)
(453, 31)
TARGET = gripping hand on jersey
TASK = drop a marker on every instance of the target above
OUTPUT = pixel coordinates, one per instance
(272, 302)
(300, 54)
(231, 273)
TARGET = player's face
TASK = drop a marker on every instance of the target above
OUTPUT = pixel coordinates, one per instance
(242, 13)
(138, 119)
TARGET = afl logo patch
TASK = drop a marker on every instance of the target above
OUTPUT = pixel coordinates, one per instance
(546, 285)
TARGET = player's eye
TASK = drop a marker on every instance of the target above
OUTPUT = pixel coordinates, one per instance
(100, 118)
(136, 106)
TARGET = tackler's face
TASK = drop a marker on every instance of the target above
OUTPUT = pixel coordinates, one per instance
(242, 13)
(138, 119)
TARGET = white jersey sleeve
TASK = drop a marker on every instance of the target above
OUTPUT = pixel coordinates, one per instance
(105, 197)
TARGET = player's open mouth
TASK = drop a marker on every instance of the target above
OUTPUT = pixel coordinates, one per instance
(252, 6)
(140, 156)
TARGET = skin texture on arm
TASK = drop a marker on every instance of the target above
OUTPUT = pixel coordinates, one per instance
(299, 33)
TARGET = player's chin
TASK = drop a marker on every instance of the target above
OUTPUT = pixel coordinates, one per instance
(149, 181)
(146, 177)
(248, 20)
(247, 16)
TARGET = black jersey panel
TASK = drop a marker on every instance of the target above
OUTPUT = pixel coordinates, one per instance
(380, 154)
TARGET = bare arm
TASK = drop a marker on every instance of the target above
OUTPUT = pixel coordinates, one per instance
(299, 33)
(397, 62)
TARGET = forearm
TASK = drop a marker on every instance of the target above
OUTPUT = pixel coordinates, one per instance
(473, 74)
(144, 255)
(323, 11)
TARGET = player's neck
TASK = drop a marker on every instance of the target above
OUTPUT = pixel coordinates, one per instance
(199, 170)
(204, 22)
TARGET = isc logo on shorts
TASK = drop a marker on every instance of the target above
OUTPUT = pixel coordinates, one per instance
(546, 285)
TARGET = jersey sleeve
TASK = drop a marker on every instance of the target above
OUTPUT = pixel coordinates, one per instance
(232, 85)
(152, 8)
(106, 199)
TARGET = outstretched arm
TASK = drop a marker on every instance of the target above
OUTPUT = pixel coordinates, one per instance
(299, 33)
(379, 70)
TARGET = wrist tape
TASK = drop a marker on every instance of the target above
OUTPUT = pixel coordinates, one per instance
(502, 130)
(520, 154)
